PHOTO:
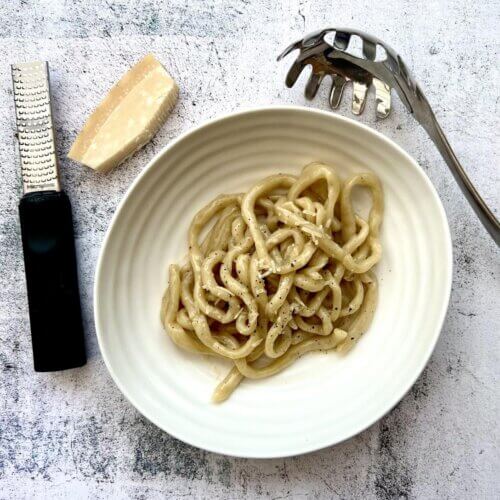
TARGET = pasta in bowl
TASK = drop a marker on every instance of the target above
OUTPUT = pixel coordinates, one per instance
(321, 398)
(285, 269)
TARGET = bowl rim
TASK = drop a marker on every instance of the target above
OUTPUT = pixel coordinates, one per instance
(447, 274)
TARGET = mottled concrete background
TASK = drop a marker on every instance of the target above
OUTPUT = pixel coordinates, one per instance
(73, 435)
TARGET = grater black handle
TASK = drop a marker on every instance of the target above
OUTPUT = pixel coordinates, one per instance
(52, 281)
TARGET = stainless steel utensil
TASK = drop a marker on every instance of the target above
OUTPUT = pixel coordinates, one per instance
(46, 228)
(378, 65)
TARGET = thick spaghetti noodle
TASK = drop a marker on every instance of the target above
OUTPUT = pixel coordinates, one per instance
(284, 269)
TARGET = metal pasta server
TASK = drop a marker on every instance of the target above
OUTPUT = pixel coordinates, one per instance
(47, 229)
(382, 67)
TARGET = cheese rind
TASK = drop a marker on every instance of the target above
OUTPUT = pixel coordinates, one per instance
(127, 118)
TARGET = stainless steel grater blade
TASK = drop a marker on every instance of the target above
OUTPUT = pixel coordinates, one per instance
(35, 129)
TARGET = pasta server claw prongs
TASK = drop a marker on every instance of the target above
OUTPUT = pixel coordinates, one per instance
(376, 64)
(336, 61)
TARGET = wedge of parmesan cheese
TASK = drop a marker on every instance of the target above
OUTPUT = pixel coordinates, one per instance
(127, 118)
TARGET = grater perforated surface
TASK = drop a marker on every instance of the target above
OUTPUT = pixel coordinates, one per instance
(34, 125)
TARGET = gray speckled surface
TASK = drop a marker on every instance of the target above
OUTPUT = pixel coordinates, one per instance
(73, 435)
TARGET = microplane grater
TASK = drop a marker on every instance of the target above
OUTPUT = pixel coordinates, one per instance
(46, 228)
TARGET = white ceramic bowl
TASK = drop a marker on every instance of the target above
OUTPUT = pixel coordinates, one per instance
(323, 398)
